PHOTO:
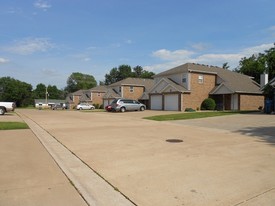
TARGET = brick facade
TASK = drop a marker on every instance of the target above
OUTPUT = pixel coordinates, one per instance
(132, 92)
(251, 102)
(97, 97)
(200, 89)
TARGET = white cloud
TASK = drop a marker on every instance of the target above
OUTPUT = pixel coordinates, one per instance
(3, 60)
(173, 55)
(256, 49)
(49, 72)
(30, 46)
(200, 46)
(129, 41)
(42, 5)
(178, 57)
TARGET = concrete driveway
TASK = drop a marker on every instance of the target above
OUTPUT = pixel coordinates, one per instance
(216, 161)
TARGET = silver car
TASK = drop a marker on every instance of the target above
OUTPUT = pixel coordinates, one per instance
(82, 106)
(123, 105)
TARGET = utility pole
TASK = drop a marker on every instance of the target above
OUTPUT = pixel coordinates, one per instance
(46, 96)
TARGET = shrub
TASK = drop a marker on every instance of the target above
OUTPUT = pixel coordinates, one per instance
(96, 106)
(208, 104)
(189, 110)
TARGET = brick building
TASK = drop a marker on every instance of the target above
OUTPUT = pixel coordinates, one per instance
(129, 88)
(186, 86)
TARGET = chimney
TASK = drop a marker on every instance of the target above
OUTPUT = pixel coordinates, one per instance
(264, 79)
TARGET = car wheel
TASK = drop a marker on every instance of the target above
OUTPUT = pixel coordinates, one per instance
(142, 108)
(80, 108)
(2, 111)
(122, 109)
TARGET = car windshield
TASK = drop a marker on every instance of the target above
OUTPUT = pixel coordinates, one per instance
(115, 101)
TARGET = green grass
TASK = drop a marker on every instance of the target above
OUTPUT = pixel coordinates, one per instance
(187, 115)
(13, 125)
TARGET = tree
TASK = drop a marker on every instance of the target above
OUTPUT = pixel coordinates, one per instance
(39, 92)
(13, 90)
(225, 65)
(77, 81)
(257, 64)
(125, 71)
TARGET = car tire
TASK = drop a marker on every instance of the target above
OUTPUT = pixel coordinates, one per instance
(80, 108)
(142, 108)
(2, 110)
(122, 109)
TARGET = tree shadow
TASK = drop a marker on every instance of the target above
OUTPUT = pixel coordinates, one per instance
(264, 134)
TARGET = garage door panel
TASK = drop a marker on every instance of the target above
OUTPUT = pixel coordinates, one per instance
(171, 102)
(156, 102)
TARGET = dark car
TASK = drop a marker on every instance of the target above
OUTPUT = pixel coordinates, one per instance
(59, 106)
(108, 108)
(123, 105)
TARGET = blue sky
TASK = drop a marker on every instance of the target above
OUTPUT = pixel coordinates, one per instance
(44, 41)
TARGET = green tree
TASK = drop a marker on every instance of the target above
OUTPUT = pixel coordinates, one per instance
(225, 65)
(258, 64)
(125, 71)
(39, 92)
(253, 66)
(15, 91)
(77, 81)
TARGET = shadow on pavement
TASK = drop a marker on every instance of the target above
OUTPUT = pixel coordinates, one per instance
(265, 134)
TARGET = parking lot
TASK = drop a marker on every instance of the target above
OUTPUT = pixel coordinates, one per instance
(215, 161)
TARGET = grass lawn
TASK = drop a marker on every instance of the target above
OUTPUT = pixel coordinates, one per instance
(13, 125)
(189, 115)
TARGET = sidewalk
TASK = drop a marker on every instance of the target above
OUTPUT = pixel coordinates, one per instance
(37, 170)
(28, 174)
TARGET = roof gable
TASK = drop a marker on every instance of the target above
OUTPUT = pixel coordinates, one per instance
(232, 80)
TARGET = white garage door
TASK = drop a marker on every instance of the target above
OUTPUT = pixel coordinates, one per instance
(156, 102)
(171, 102)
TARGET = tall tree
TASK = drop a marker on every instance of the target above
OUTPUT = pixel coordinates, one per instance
(77, 81)
(257, 64)
(39, 92)
(15, 91)
(125, 71)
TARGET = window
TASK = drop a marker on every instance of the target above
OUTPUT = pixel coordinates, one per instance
(131, 89)
(119, 90)
(184, 79)
(200, 79)
(98, 94)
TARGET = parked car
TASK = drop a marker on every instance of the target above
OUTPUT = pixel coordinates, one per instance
(86, 106)
(6, 107)
(108, 108)
(123, 105)
(59, 106)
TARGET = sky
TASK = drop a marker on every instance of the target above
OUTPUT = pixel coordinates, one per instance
(45, 41)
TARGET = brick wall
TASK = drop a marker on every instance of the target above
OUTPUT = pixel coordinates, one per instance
(199, 91)
(137, 92)
(97, 97)
(251, 102)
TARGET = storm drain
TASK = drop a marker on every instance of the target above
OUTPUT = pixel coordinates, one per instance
(174, 140)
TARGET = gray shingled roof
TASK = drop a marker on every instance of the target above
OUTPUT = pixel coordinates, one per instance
(236, 82)
(147, 83)
(99, 88)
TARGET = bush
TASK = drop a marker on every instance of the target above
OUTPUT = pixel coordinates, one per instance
(189, 110)
(96, 106)
(208, 104)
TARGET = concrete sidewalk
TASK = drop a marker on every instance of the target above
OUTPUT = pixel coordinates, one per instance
(32, 175)
(28, 174)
